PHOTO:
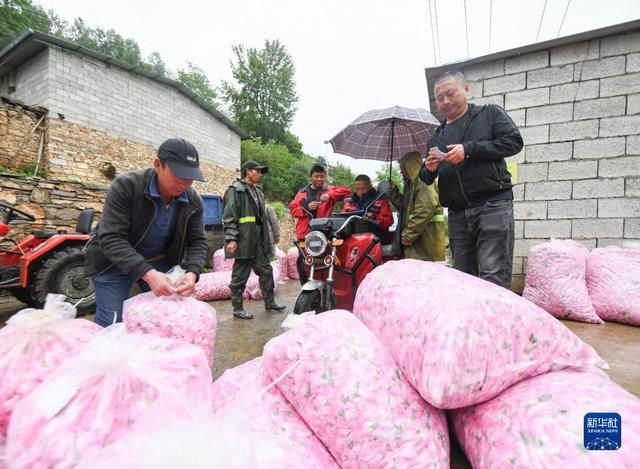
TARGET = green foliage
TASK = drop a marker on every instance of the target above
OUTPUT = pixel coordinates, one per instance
(383, 174)
(262, 100)
(287, 173)
(18, 15)
(279, 208)
(26, 172)
(196, 80)
(341, 175)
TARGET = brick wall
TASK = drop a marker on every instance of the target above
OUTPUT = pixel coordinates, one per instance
(577, 106)
(99, 96)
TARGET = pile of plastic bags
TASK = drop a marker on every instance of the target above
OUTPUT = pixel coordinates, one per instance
(458, 339)
(174, 316)
(346, 387)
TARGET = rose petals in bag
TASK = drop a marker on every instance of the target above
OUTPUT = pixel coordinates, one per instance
(613, 280)
(556, 282)
(461, 340)
(270, 413)
(220, 264)
(352, 395)
(292, 263)
(213, 286)
(539, 422)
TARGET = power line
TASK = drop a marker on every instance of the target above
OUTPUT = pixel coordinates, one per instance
(435, 7)
(466, 29)
(541, 18)
(433, 38)
(490, 22)
(563, 17)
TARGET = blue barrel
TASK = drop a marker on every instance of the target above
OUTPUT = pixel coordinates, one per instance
(212, 209)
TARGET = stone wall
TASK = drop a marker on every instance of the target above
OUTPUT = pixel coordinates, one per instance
(578, 108)
(18, 145)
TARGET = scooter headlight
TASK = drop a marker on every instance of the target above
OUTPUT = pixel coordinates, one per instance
(315, 243)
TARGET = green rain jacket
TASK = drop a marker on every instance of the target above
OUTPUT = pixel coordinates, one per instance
(421, 215)
(242, 222)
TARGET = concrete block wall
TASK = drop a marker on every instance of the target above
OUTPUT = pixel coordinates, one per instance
(578, 108)
(103, 97)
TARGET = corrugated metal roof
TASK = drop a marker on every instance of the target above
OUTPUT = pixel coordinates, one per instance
(31, 42)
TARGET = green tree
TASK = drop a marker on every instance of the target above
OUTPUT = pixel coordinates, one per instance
(263, 98)
(341, 175)
(18, 15)
(383, 174)
(196, 80)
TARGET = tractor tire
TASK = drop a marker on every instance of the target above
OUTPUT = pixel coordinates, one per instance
(63, 274)
(310, 301)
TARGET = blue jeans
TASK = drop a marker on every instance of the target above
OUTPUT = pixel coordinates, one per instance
(112, 289)
(481, 240)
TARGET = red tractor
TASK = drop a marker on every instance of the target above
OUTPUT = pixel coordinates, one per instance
(46, 262)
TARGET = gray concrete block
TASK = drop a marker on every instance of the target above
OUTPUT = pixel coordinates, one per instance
(495, 99)
(527, 62)
(587, 243)
(599, 148)
(522, 247)
(518, 116)
(550, 114)
(550, 76)
(614, 126)
(603, 107)
(505, 84)
(527, 98)
(518, 226)
(632, 228)
(597, 228)
(556, 190)
(573, 170)
(533, 172)
(620, 44)
(518, 192)
(535, 135)
(484, 70)
(633, 62)
(587, 208)
(617, 86)
(475, 89)
(518, 265)
(633, 104)
(607, 67)
(595, 188)
(632, 187)
(530, 210)
(619, 208)
(577, 52)
(573, 130)
(633, 145)
(548, 152)
(547, 229)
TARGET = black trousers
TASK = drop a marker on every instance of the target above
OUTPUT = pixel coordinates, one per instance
(242, 269)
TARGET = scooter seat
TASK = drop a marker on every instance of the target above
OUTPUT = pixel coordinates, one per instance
(44, 234)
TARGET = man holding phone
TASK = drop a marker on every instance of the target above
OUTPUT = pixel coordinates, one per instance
(466, 154)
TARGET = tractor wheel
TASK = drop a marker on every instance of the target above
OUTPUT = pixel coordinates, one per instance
(63, 274)
(310, 301)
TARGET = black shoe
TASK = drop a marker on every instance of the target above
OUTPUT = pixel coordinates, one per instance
(271, 304)
(242, 314)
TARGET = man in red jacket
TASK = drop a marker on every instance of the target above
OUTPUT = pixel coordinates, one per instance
(363, 199)
(316, 199)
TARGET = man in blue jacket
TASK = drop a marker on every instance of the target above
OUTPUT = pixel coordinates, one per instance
(466, 154)
(152, 221)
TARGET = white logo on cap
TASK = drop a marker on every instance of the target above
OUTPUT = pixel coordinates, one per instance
(191, 158)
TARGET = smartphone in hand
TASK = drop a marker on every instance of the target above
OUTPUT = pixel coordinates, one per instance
(435, 151)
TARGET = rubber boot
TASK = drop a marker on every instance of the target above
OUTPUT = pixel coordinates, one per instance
(238, 309)
(270, 304)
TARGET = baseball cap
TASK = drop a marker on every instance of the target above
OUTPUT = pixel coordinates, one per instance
(251, 164)
(182, 158)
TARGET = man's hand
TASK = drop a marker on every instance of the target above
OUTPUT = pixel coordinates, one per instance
(455, 155)
(314, 205)
(324, 197)
(232, 247)
(406, 242)
(186, 285)
(160, 284)
(432, 162)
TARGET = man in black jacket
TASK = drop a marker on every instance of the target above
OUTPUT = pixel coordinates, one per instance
(467, 154)
(152, 221)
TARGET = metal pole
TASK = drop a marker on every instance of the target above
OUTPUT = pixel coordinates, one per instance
(393, 126)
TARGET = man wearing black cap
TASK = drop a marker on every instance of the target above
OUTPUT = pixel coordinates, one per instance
(246, 235)
(152, 221)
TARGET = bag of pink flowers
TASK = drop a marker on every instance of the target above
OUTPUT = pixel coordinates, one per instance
(33, 344)
(179, 317)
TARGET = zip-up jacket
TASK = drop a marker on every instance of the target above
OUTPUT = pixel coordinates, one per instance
(244, 222)
(336, 194)
(128, 214)
(381, 210)
(489, 138)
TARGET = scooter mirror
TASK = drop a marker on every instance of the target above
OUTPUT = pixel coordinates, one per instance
(383, 188)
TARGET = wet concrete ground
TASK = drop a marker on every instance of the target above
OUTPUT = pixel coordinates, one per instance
(241, 340)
